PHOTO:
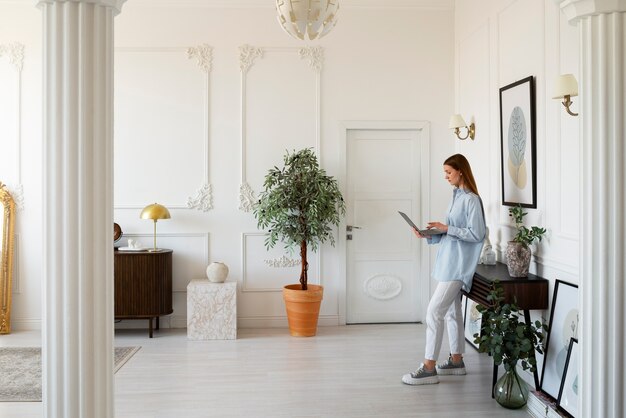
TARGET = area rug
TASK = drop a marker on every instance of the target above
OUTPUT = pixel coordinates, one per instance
(20, 372)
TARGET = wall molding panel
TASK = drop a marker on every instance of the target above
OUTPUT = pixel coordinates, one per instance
(180, 285)
(14, 52)
(247, 57)
(254, 261)
(170, 58)
(203, 199)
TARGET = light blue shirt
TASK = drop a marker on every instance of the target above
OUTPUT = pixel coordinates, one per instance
(460, 248)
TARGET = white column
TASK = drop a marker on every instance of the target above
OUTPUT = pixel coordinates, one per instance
(77, 352)
(602, 90)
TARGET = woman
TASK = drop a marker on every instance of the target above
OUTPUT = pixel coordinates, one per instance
(458, 255)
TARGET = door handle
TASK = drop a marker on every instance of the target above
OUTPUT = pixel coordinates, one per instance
(349, 228)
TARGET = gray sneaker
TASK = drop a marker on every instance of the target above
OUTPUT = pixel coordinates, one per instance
(421, 377)
(451, 368)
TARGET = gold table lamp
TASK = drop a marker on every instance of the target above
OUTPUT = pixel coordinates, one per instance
(155, 212)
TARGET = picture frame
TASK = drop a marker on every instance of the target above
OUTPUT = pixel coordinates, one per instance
(518, 152)
(568, 393)
(563, 325)
(473, 320)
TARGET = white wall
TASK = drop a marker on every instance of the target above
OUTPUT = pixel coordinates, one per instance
(177, 126)
(498, 42)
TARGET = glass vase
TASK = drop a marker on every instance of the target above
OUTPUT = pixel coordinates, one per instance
(511, 391)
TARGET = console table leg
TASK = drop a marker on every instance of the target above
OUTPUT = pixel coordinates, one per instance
(535, 374)
(150, 320)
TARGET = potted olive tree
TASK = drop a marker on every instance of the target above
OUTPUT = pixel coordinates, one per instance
(509, 339)
(298, 206)
(518, 251)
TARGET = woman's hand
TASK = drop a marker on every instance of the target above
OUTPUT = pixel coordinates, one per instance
(438, 225)
(417, 233)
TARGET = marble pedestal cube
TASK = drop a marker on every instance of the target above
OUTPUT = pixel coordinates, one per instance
(211, 310)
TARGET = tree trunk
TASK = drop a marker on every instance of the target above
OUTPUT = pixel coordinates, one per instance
(305, 265)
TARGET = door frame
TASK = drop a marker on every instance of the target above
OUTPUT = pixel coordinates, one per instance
(423, 131)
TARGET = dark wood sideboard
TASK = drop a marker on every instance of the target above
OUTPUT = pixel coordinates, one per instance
(528, 292)
(143, 285)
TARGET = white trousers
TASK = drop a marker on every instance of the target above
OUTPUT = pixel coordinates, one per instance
(445, 304)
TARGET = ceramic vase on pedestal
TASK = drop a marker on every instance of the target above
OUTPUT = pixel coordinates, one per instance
(511, 391)
(217, 272)
(517, 259)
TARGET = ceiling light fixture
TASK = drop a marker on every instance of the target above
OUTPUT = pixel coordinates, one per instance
(310, 18)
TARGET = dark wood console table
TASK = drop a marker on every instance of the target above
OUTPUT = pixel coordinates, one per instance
(529, 293)
(143, 285)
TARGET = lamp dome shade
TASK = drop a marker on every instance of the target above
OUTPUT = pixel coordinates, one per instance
(155, 211)
(565, 85)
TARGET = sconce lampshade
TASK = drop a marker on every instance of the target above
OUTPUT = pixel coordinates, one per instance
(155, 212)
(565, 85)
(457, 121)
(313, 18)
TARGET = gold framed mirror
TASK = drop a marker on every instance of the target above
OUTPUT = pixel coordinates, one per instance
(6, 257)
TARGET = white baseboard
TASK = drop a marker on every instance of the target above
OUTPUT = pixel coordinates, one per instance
(26, 324)
(281, 321)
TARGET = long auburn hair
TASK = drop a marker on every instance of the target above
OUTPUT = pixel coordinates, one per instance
(460, 163)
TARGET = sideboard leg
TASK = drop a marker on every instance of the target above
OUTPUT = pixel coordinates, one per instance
(150, 320)
(157, 323)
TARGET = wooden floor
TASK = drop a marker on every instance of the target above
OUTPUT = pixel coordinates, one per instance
(347, 371)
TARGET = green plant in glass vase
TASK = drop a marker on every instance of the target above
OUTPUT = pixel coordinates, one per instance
(506, 336)
(518, 251)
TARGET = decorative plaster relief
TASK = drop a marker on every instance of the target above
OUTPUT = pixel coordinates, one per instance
(382, 287)
(246, 198)
(315, 56)
(15, 52)
(247, 55)
(203, 55)
(284, 261)
(203, 200)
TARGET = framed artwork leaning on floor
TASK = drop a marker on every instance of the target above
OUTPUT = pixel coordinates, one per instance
(564, 320)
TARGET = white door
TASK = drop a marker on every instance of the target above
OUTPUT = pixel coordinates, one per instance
(386, 279)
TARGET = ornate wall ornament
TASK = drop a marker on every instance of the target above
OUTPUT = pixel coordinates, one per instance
(203, 199)
(315, 56)
(247, 55)
(15, 52)
(247, 200)
(203, 55)
(382, 287)
(284, 261)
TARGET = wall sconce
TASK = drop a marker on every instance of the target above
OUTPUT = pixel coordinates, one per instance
(457, 122)
(565, 87)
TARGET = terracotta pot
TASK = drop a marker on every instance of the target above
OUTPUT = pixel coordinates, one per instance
(303, 308)
(517, 259)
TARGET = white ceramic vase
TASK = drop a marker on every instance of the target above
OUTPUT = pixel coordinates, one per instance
(217, 272)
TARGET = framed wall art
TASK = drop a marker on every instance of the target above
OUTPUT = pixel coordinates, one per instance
(563, 325)
(568, 394)
(518, 143)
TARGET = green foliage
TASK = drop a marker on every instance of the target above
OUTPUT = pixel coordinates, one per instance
(524, 235)
(505, 335)
(299, 204)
